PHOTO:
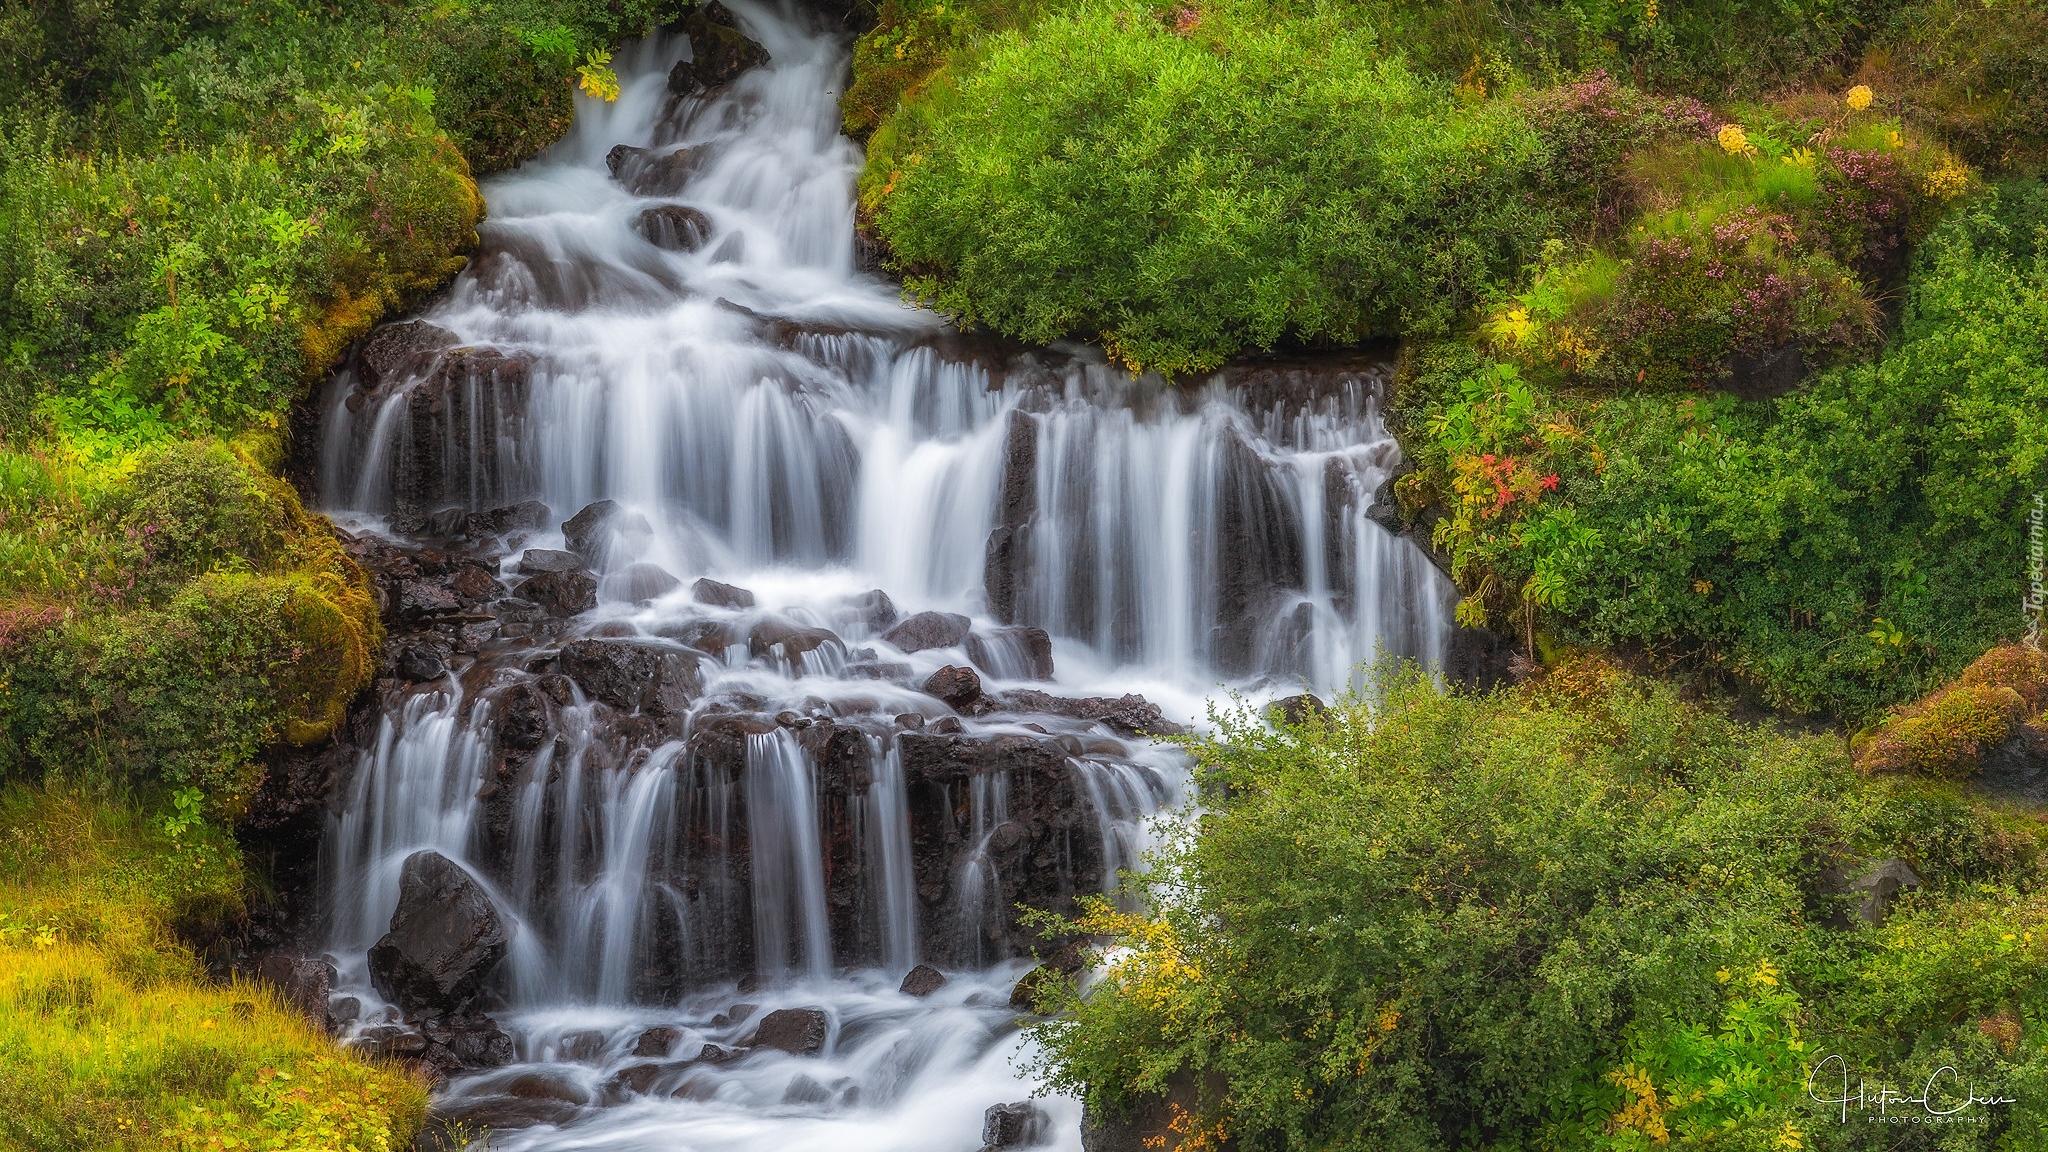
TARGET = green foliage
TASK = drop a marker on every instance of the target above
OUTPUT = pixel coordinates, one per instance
(1770, 538)
(1184, 194)
(111, 1037)
(1972, 72)
(1582, 915)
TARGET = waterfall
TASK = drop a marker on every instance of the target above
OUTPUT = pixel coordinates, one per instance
(694, 804)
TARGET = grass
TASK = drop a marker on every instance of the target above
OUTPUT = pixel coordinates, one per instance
(110, 1035)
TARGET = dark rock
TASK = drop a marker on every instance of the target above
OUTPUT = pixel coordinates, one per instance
(659, 1040)
(542, 1086)
(304, 982)
(422, 659)
(527, 515)
(418, 601)
(1768, 373)
(1013, 653)
(673, 227)
(712, 636)
(638, 1079)
(461, 1043)
(604, 530)
(1148, 1122)
(876, 610)
(1294, 711)
(1480, 660)
(344, 1011)
(585, 1046)
(444, 940)
(804, 1090)
(797, 1031)
(1130, 715)
(1006, 560)
(946, 726)
(2018, 767)
(638, 584)
(957, 686)
(718, 1054)
(535, 561)
(929, 630)
(794, 639)
(561, 593)
(523, 716)
(645, 172)
(719, 52)
(1872, 889)
(633, 677)
(1019, 1125)
(741, 1013)
(1033, 985)
(502, 1113)
(922, 980)
(395, 353)
(709, 591)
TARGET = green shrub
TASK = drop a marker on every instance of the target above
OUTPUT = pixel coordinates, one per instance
(1840, 549)
(1181, 196)
(1581, 915)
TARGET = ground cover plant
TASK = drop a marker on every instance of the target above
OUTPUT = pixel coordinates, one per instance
(111, 1038)
(1578, 914)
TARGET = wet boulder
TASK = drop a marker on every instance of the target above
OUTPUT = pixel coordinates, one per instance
(640, 583)
(659, 1041)
(957, 686)
(467, 1042)
(418, 602)
(646, 172)
(632, 676)
(395, 353)
(1013, 653)
(793, 639)
(524, 715)
(421, 658)
(709, 591)
(674, 227)
(604, 531)
(444, 940)
(1294, 711)
(305, 983)
(583, 1046)
(1022, 1124)
(922, 981)
(535, 561)
(929, 630)
(797, 1031)
(719, 52)
(561, 593)
(875, 609)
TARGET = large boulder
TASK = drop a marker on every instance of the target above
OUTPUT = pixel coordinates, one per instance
(929, 630)
(797, 1031)
(675, 227)
(633, 677)
(709, 591)
(955, 685)
(1013, 653)
(719, 52)
(444, 940)
(604, 531)
(922, 981)
(640, 583)
(646, 172)
(561, 593)
(1019, 1125)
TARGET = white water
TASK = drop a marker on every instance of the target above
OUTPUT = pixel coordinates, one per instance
(849, 455)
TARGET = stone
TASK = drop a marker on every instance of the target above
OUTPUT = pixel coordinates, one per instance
(646, 172)
(535, 561)
(634, 1078)
(804, 1090)
(445, 939)
(922, 980)
(709, 591)
(1022, 1124)
(1873, 889)
(659, 1040)
(633, 677)
(929, 630)
(876, 610)
(1013, 653)
(305, 983)
(524, 716)
(422, 660)
(719, 52)
(1294, 711)
(674, 227)
(462, 1043)
(797, 1031)
(604, 530)
(1025, 994)
(717, 1054)
(794, 639)
(955, 685)
(584, 1046)
(1006, 556)
(394, 353)
(640, 583)
(561, 593)
(418, 601)
(543, 1086)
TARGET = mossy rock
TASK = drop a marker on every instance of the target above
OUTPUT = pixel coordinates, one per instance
(1950, 731)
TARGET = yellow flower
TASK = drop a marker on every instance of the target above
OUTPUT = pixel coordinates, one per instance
(1893, 140)
(1734, 141)
(1803, 157)
(1857, 98)
(1949, 179)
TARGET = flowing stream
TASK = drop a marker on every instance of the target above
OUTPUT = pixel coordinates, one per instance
(768, 416)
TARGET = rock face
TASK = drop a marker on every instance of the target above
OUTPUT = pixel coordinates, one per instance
(1013, 653)
(675, 227)
(929, 630)
(461, 406)
(797, 1031)
(1007, 560)
(719, 52)
(444, 940)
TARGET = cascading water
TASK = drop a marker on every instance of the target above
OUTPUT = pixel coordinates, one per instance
(671, 792)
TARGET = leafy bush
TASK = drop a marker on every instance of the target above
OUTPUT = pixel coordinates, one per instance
(1580, 915)
(1184, 193)
(1840, 549)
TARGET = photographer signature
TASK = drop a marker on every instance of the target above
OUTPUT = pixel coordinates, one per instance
(1884, 1098)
